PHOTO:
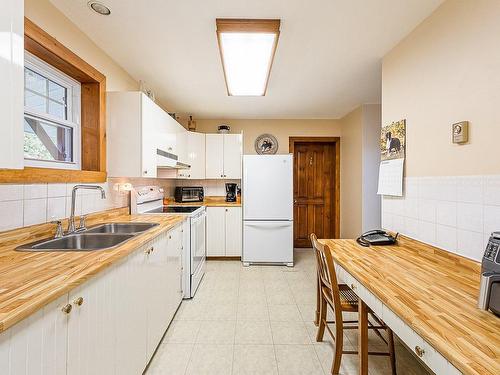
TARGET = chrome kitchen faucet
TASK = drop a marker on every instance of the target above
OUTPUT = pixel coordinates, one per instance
(71, 223)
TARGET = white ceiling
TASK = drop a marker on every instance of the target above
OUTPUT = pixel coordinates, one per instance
(328, 59)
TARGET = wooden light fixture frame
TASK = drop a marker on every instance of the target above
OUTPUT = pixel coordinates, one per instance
(93, 112)
(244, 25)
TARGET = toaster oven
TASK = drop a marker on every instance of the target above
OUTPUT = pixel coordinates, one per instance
(185, 194)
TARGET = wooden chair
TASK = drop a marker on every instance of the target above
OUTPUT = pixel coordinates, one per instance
(340, 298)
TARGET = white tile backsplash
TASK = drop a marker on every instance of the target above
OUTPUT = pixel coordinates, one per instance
(35, 211)
(56, 190)
(470, 217)
(426, 210)
(56, 208)
(446, 213)
(11, 215)
(30, 204)
(456, 214)
(492, 190)
(11, 192)
(35, 191)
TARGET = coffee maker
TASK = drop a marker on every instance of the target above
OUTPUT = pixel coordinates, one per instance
(231, 191)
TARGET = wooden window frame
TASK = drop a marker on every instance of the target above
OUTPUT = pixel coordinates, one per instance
(336, 142)
(242, 25)
(93, 113)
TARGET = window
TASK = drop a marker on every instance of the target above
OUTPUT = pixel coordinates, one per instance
(247, 49)
(52, 130)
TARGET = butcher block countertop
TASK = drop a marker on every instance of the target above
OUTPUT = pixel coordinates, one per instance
(210, 201)
(31, 280)
(432, 291)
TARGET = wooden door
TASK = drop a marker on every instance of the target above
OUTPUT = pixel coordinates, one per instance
(314, 190)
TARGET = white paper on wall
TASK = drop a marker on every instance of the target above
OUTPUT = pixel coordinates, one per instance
(390, 180)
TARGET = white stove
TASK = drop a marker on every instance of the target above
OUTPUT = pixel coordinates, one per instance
(149, 200)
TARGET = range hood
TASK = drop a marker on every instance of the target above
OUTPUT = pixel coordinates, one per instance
(167, 160)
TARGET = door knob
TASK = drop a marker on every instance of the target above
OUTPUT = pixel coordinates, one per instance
(67, 308)
(78, 301)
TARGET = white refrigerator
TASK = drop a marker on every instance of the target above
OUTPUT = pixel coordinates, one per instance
(267, 194)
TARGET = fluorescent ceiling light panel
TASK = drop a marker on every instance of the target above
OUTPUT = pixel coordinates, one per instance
(247, 49)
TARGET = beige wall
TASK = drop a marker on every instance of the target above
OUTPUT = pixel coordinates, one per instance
(50, 19)
(351, 174)
(448, 70)
(281, 129)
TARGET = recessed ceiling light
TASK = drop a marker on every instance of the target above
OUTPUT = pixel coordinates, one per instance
(99, 8)
(247, 50)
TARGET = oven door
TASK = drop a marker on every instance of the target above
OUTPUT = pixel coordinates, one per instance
(198, 246)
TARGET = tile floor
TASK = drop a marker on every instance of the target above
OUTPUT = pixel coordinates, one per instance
(259, 320)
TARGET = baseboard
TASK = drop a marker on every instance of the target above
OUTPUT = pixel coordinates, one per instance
(223, 258)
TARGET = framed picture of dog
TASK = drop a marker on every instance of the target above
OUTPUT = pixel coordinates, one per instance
(393, 141)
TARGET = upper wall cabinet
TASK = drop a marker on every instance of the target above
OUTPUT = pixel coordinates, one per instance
(223, 156)
(193, 145)
(137, 128)
(12, 79)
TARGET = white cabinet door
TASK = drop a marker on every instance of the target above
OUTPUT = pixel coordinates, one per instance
(174, 252)
(232, 155)
(182, 148)
(156, 287)
(131, 315)
(233, 231)
(216, 218)
(38, 344)
(154, 135)
(214, 152)
(12, 78)
(91, 326)
(195, 156)
(172, 129)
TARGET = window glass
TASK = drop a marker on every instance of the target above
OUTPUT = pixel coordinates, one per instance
(43, 95)
(47, 141)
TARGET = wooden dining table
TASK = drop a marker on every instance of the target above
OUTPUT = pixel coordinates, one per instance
(428, 297)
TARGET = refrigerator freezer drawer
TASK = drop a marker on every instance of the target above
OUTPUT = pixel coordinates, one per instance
(268, 242)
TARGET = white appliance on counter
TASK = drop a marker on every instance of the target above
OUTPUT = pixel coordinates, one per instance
(149, 200)
(267, 194)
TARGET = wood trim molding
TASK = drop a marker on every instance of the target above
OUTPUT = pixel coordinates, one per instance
(336, 142)
(228, 25)
(49, 49)
(36, 175)
(93, 116)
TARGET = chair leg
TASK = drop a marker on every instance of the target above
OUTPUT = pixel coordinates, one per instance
(322, 319)
(318, 299)
(339, 346)
(392, 352)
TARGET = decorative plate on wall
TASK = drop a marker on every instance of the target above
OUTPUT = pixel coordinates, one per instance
(266, 144)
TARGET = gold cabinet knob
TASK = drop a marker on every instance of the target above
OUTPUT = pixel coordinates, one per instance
(67, 308)
(353, 287)
(149, 251)
(78, 301)
(419, 351)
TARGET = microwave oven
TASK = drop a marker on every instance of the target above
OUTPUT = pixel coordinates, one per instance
(185, 194)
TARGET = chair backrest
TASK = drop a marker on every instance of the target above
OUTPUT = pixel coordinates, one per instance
(326, 273)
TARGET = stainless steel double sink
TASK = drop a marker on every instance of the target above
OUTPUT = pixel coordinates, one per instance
(101, 237)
